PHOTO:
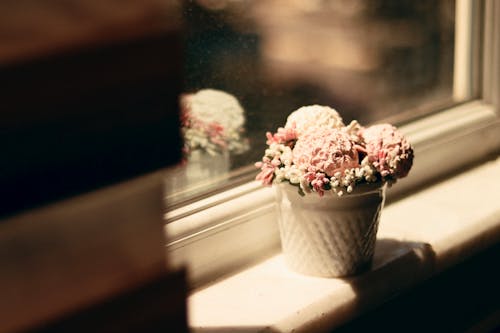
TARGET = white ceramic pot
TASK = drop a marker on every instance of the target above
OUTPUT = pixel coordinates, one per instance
(329, 236)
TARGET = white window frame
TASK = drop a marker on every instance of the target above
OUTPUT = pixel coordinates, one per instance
(227, 231)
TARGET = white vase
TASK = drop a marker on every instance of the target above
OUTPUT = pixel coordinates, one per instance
(329, 236)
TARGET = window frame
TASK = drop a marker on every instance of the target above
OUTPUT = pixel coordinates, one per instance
(238, 225)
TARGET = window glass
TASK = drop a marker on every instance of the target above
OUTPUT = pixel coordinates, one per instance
(371, 60)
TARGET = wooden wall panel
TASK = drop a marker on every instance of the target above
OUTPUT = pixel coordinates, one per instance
(88, 115)
(88, 96)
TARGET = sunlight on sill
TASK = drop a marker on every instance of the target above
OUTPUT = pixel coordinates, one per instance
(419, 236)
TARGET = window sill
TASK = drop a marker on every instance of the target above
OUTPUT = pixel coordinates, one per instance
(419, 236)
(238, 225)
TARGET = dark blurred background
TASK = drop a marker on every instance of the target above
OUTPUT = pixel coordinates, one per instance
(371, 60)
(88, 96)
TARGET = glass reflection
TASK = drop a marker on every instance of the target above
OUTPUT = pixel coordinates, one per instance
(212, 127)
(212, 122)
(369, 59)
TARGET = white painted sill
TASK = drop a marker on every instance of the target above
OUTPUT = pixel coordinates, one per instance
(419, 236)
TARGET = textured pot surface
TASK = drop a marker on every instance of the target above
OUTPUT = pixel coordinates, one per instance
(329, 236)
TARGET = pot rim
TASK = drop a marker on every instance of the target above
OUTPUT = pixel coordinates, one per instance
(359, 189)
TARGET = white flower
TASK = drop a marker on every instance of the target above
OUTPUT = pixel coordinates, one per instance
(286, 156)
(313, 116)
(294, 174)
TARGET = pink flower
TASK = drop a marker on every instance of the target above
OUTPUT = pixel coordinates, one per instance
(388, 150)
(325, 150)
(285, 136)
(316, 151)
(318, 181)
(266, 174)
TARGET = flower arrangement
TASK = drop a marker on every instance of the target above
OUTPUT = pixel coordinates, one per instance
(212, 120)
(316, 152)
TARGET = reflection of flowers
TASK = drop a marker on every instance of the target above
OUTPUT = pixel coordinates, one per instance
(316, 152)
(212, 120)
